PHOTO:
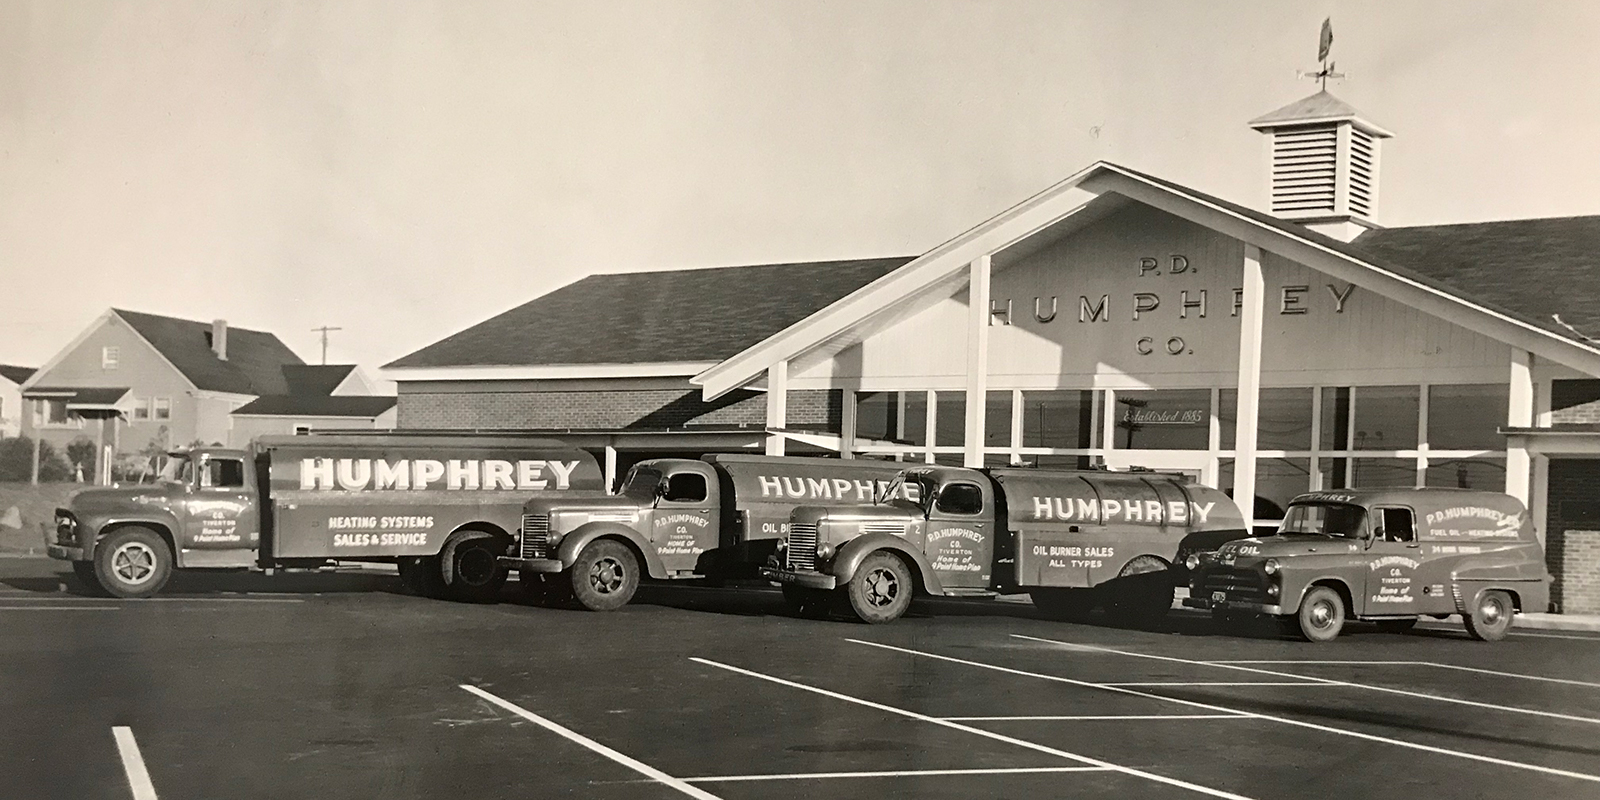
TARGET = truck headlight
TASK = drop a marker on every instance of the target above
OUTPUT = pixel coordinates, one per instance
(1271, 567)
(783, 544)
(1193, 561)
(1272, 590)
(824, 551)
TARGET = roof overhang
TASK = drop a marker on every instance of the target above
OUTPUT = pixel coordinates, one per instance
(513, 372)
(1072, 204)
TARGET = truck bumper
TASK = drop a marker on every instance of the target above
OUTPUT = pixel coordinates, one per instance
(1233, 605)
(532, 564)
(66, 553)
(809, 580)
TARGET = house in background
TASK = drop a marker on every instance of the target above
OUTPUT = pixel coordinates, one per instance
(11, 380)
(132, 380)
(329, 397)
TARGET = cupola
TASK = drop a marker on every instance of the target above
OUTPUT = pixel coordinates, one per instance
(1323, 165)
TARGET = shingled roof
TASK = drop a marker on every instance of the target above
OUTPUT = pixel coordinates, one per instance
(255, 358)
(316, 406)
(645, 317)
(315, 379)
(17, 375)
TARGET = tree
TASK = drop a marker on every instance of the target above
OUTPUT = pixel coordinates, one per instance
(81, 452)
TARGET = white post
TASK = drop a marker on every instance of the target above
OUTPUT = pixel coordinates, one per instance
(1244, 443)
(611, 469)
(1519, 415)
(930, 424)
(847, 423)
(977, 360)
(777, 406)
(1016, 426)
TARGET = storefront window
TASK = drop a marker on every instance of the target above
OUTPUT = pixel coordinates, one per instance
(1283, 423)
(916, 418)
(996, 420)
(1061, 418)
(1278, 480)
(1467, 473)
(1386, 417)
(1059, 462)
(1164, 419)
(1467, 417)
(1373, 473)
(876, 415)
(952, 420)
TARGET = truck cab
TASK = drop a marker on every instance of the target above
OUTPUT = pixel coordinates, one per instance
(203, 511)
(1389, 556)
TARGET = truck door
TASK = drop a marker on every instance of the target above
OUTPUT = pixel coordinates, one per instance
(683, 527)
(960, 538)
(1393, 560)
(221, 515)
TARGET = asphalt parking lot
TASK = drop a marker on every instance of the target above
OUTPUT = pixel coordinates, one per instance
(342, 686)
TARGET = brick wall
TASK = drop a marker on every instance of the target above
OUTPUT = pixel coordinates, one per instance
(1574, 402)
(1572, 543)
(650, 409)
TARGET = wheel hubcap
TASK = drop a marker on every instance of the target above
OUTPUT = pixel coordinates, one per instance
(1322, 615)
(606, 576)
(882, 587)
(133, 563)
(1491, 611)
(477, 567)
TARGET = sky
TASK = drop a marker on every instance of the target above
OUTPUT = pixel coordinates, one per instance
(404, 170)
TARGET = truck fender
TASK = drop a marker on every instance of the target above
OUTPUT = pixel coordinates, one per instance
(573, 543)
(1339, 583)
(447, 553)
(162, 524)
(850, 555)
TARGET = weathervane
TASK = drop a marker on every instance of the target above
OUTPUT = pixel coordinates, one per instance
(1324, 46)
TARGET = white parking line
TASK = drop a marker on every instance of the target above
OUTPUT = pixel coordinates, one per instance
(906, 773)
(1075, 717)
(1219, 683)
(633, 764)
(60, 608)
(1214, 707)
(58, 598)
(1499, 673)
(133, 764)
(1369, 687)
(976, 731)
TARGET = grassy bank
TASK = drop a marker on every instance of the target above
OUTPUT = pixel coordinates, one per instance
(36, 504)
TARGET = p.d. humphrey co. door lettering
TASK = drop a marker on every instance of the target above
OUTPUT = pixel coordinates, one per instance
(376, 474)
(1148, 512)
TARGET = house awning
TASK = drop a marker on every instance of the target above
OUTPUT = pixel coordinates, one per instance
(94, 398)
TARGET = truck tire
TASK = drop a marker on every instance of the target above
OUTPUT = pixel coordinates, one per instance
(84, 570)
(1063, 605)
(1397, 625)
(605, 576)
(133, 562)
(1490, 619)
(1321, 615)
(1141, 594)
(474, 574)
(807, 603)
(880, 591)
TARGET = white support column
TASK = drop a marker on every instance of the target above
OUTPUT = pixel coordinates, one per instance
(1520, 415)
(847, 423)
(977, 360)
(777, 406)
(1244, 443)
(930, 425)
(1016, 426)
(611, 468)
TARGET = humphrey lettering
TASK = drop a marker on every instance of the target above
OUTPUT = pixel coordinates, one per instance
(376, 474)
(1147, 512)
(844, 490)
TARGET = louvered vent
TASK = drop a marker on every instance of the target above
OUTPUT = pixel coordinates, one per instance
(1305, 170)
(1363, 172)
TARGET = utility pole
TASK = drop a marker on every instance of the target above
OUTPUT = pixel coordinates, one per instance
(325, 330)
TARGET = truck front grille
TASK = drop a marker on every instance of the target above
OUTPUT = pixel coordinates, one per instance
(802, 552)
(535, 536)
(1239, 585)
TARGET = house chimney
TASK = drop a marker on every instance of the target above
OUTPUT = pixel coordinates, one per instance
(219, 338)
(1323, 170)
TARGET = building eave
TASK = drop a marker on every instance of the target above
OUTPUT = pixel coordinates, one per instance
(510, 372)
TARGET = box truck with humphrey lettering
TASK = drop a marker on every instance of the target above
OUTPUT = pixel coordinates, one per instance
(1071, 539)
(673, 518)
(442, 507)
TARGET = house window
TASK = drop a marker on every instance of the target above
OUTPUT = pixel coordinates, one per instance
(141, 408)
(161, 408)
(109, 357)
(48, 413)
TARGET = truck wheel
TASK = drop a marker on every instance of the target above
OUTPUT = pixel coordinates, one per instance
(1397, 625)
(881, 589)
(1141, 595)
(475, 574)
(133, 562)
(807, 603)
(1490, 619)
(84, 570)
(605, 576)
(1321, 615)
(1064, 605)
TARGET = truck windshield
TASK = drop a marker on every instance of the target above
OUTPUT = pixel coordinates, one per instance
(178, 469)
(900, 489)
(641, 483)
(1325, 519)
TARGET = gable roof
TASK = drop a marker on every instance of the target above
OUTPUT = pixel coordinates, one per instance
(315, 379)
(255, 358)
(283, 405)
(943, 269)
(17, 375)
(1320, 107)
(696, 315)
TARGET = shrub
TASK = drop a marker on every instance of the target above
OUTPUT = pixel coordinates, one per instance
(81, 452)
(16, 457)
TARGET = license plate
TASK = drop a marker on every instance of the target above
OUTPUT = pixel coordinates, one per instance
(1219, 597)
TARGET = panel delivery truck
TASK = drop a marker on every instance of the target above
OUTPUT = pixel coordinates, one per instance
(1384, 555)
(718, 517)
(443, 507)
(1071, 539)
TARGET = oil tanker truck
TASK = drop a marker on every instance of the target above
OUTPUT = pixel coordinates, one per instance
(1071, 539)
